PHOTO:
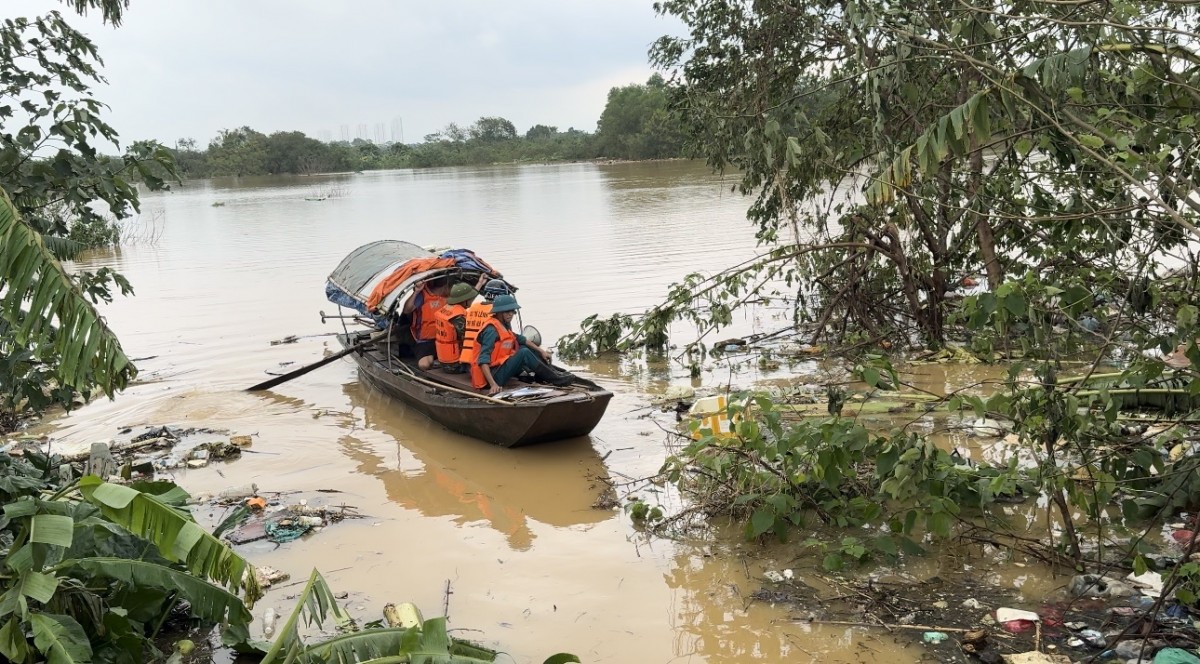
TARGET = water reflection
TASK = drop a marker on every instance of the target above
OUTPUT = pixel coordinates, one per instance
(440, 473)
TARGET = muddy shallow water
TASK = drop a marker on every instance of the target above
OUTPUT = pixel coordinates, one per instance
(531, 567)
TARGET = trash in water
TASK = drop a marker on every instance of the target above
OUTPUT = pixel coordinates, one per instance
(1005, 614)
(285, 530)
(268, 621)
(251, 531)
(1177, 611)
(1175, 656)
(1016, 620)
(238, 494)
(934, 637)
(1095, 585)
(1093, 638)
(282, 523)
(1018, 626)
(1151, 583)
(1034, 657)
(268, 576)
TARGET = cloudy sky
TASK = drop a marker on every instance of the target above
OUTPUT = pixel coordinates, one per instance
(188, 68)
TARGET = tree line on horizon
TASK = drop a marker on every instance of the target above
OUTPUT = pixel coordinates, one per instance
(636, 124)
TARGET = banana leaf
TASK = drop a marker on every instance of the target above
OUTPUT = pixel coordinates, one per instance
(42, 304)
(207, 602)
(177, 537)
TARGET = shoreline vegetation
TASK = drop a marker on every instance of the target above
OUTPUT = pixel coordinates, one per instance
(634, 126)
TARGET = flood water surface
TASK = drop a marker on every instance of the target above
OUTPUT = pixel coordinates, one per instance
(506, 541)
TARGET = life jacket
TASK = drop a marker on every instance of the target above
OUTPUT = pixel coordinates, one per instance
(478, 315)
(504, 348)
(448, 348)
(424, 317)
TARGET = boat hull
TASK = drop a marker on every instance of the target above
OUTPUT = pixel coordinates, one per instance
(507, 424)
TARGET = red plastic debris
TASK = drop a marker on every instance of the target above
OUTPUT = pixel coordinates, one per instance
(1052, 616)
(1017, 626)
(1182, 537)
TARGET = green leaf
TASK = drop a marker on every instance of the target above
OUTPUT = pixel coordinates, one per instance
(20, 508)
(886, 545)
(910, 547)
(1015, 303)
(38, 586)
(52, 529)
(315, 604)
(207, 601)
(761, 521)
(870, 376)
(32, 274)
(60, 638)
(1186, 317)
(561, 658)
(1090, 140)
(939, 523)
(21, 560)
(12, 641)
(178, 538)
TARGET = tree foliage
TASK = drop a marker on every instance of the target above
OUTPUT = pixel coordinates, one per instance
(892, 151)
(1107, 452)
(638, 124)
(59, 184)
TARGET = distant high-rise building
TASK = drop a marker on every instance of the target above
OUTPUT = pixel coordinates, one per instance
(346, 133)
(397, 130)
(380, 138)
(325, 136)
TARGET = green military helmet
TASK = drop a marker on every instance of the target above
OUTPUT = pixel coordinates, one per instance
(461, 293)
(504, 303)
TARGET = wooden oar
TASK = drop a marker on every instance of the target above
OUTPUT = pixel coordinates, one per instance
(267, 384)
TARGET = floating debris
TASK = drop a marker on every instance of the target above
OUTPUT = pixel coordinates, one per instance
(269, 576)
(278, 522)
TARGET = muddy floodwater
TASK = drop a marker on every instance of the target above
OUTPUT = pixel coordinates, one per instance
(507, 541)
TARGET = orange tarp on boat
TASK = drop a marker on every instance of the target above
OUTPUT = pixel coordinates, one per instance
(403, 272)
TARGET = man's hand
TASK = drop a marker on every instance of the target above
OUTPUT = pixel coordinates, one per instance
(545, 355)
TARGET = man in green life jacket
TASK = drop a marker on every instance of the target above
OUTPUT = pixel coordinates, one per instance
(499, 354)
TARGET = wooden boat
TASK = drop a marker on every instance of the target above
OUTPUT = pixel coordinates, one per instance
(511, 420)
(522, 414)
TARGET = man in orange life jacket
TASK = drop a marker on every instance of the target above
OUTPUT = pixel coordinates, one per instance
(452, 326)
(479, 312)
(423, 307)
(501, 354)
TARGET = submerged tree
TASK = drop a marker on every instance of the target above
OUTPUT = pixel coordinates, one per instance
(636, 123)
(893, 150)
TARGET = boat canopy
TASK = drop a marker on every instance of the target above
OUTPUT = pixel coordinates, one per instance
(373, 277)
